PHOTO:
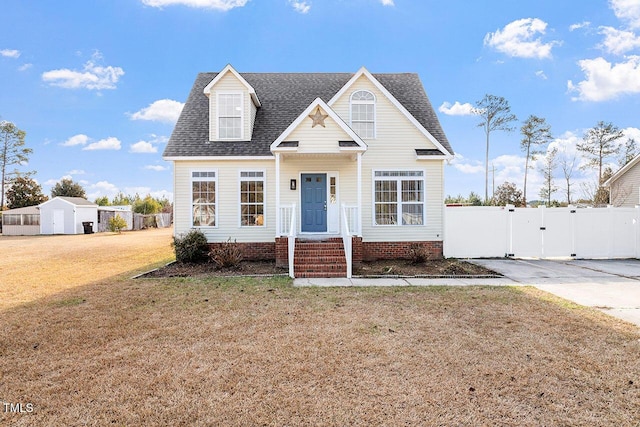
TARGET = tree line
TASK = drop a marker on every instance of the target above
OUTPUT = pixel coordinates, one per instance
(599, 144)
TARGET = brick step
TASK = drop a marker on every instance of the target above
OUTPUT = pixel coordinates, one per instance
(312, 247)
(321, 267)
(319, 259)
(319, 253)
(329, 240)
(308, 275)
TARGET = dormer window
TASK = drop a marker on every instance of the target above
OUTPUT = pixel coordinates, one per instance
(363, 114)
(230, 116)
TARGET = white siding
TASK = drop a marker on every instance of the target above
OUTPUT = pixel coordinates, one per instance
(228, 200)
(229, 83)
(625, 191)
(73, 216)
(86, 213)
(394, 148)
(343, 167)
(318, 139)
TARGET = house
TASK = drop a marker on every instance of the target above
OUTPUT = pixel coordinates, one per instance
(65, 215)
(21, 221)
(624, 185)
(316, 170)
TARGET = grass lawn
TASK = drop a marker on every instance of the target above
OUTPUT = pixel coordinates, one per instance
(245, 352)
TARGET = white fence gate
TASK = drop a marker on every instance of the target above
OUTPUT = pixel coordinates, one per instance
(487, 231)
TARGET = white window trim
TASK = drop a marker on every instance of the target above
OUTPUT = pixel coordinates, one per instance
(216, 203)
(399, 199)
(230, 92)
(375, 111)
(264, 197)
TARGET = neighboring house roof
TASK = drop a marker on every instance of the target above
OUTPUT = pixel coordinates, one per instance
(77, 201)
(620, 172)
(283, 97)
(29, 210)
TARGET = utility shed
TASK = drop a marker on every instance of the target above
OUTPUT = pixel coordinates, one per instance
(65, 215)
(21, 221)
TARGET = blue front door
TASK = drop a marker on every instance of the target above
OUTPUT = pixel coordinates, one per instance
(314, 203)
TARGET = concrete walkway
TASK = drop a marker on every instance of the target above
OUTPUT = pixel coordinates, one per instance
(612, 286)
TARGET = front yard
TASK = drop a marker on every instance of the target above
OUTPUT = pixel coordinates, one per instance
(246, 351)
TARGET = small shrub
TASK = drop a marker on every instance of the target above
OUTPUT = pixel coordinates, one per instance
(191, 247)
(419, 254)
(226, 255)
(117, 224)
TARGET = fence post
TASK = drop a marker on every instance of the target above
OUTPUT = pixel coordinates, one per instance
(572, 214)
(636, 230)
(509, 210)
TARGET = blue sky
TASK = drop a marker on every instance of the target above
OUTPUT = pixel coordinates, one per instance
(97, 85)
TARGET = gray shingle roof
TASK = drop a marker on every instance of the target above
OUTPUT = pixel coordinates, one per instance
(284, 96)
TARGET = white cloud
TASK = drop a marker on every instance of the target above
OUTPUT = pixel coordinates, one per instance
(79, 139)
(163, 110)
(143, 147)
(583, 24)
(627, 11)
(110, 143)
(456, 109)
(24, 67)
(387, 2)
(10, 53)
(517, 39)
(157, 168)
(52, 181)
(467, 166)
(223, 5)
(76, 172)
(300, 6)
(92, 76)
(606, 81)
(630, 133)
(618, 41)
(541, 74)
(101, 188)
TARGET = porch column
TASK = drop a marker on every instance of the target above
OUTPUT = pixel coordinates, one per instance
(278, 195)
(359, 191)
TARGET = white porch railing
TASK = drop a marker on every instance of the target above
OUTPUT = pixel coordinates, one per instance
(285, 218)
(352, 217)
(348, 228)
(291, 237)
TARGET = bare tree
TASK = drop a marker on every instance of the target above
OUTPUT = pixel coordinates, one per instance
(12, 152)
(535, 133)
(599, 143)
(549, 187)
(496, 115)
(568, 164)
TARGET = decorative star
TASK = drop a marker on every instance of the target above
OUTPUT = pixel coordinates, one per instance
(318, 118)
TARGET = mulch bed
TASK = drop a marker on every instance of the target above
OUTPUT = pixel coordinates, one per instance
(385, 268)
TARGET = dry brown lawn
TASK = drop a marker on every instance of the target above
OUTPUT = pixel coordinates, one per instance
(258, 352)
(32, 267)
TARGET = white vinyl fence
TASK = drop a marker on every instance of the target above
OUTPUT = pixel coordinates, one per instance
(487, 232)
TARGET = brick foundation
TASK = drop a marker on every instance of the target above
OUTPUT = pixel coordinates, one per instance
(362, 251)
(257, 251)
(282, 252)
(372, 251)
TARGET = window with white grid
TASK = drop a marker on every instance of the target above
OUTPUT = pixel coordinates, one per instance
(204, 198)
(399, 198)
(363, 112)
(230, 115)
(252, 199)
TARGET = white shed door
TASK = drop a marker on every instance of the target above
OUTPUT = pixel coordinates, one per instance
(58, 221)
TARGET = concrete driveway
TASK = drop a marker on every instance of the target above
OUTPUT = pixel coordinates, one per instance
(612, 286)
